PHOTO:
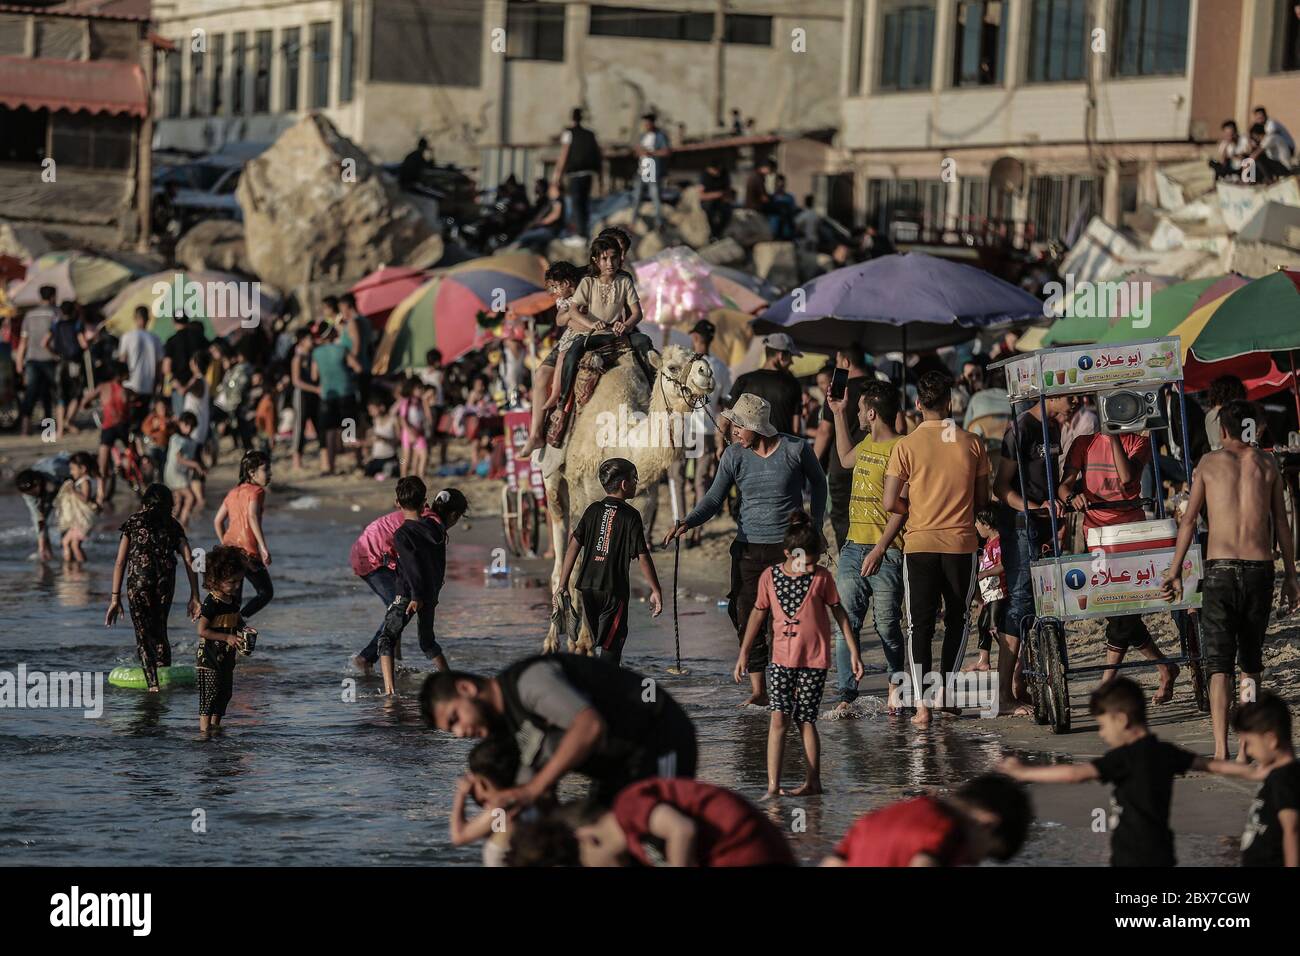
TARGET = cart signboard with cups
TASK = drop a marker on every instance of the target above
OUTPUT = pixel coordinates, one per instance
(1122, 573)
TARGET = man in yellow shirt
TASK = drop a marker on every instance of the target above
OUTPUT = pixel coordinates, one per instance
(872, 534)
(946, 471)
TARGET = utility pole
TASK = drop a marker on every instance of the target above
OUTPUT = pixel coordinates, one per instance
(719, 64)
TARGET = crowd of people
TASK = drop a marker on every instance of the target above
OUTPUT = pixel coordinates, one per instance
(1265, 152)
(915, 462)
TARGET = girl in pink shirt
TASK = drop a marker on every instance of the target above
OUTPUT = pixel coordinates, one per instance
(801, 597)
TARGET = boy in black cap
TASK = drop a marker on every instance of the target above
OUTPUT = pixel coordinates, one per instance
(610, 535)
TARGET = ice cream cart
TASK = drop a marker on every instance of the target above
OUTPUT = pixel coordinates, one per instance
(1122, 573)
(523, 496)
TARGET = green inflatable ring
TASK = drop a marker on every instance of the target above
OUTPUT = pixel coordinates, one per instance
(181, 675)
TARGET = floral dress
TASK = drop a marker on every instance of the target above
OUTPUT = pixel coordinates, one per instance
(152, 544)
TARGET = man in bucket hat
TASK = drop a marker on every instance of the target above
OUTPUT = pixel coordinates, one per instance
(774, 383)
(769, 470)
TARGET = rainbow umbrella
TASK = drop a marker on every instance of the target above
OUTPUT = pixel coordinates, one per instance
(226, 304)
(384, 289)
(443, 313)
(1091, 322)
(75, 276)
(1166, 308)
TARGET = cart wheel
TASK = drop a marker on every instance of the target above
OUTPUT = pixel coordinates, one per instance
(509, 522)
(1057, 688)
(528, 522)
(1037, 685)
(1200, 687)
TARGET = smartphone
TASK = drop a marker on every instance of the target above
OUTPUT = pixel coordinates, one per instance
(839, 384)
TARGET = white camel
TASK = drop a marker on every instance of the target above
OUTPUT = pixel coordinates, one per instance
(601, 430)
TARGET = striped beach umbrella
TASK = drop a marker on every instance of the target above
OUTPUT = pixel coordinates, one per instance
(443, 313)
(77, 277)
(384, 289)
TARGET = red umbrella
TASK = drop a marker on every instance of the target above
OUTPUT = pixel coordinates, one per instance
(380, 292)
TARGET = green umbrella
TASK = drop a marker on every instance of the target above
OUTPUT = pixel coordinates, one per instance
(1090, 317)
(1167, 308)
(1261, 316)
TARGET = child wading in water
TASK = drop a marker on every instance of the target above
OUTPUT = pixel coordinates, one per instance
(238, 523)
(421, 547)
(146, 556)
(76, 507)
(798, 593)
(221, 635)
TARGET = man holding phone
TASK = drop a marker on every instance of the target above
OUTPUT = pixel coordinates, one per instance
(851, 376)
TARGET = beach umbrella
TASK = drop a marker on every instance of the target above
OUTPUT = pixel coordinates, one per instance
(443, 313)
(76, 277)
(1086, 317)
(228, 305)
(1165, 309)
(742, 291)
(908, 301)
(381, 291)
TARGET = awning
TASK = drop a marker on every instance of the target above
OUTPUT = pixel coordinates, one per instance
(96, 86)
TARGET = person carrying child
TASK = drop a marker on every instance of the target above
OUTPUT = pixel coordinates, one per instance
(610, 536)
(798, 593)
(1139, 765)
(146, 558)
(76, 505)
(222, 635)
(421, 547)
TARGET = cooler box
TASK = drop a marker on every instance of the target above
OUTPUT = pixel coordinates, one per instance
(1134, 536)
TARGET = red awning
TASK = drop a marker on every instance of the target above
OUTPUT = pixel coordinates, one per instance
(97, 86)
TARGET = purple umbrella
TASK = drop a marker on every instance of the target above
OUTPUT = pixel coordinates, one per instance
(909, 301)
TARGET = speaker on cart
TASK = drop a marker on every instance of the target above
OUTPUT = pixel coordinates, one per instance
(1127, 410)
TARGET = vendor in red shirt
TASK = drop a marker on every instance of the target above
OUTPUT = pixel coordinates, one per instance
(680, 822)
(987, 818)
(1100, 468)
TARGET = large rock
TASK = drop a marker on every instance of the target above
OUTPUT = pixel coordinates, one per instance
(777, 263)
(316, 209)
(690, 219)
(655, 242)
(724, 252)
(214, 245)
(568, 249)
(748, 228)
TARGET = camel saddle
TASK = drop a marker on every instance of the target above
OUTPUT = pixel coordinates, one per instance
(593, 364)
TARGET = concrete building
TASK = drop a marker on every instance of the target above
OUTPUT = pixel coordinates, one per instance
(75, 122)
(1013, 120)
(490, 83)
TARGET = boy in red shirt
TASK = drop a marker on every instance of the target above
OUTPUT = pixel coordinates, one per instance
(988, 817)
(680, 822)
(1109, 468)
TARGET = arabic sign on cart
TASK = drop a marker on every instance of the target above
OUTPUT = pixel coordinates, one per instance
(1079, 586)
(1084, 368)
(521, 471)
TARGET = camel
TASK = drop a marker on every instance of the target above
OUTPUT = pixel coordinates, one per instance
(601, 430)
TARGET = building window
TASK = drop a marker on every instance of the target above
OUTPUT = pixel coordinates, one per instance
(439, 44)
(291, 50)
(215, 100)
(60, 39)
(647, 24)
(347, 55)
(978, 45)
(1286, 37)
(907, 48)
(320, 65)
(92, 142)
(262, 71)
(535, 31)
(238, 65)
(748, 28)
(1151, 37)
(197, 85)
(1058, 40)
(24, 138)
(172, 66)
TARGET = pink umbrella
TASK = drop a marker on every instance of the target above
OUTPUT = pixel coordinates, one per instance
(381, 291)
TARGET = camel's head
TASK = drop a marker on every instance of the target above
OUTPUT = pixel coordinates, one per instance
(690, 373)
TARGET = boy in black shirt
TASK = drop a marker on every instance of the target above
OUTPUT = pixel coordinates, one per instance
(221, 630)
(1142, 769)
(421, 545)
(609, 536)
(1272, 835)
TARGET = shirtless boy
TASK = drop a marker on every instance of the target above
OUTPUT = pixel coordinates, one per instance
(1241, 489)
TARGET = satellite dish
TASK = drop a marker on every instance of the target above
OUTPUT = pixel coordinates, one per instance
(1008, 175)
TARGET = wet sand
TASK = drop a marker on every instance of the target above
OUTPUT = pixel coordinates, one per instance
(304, 776)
